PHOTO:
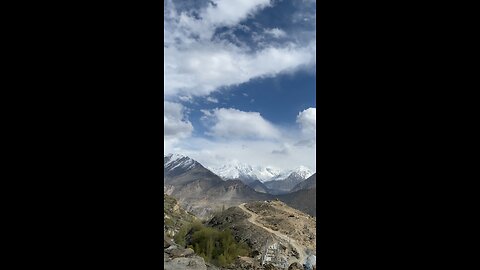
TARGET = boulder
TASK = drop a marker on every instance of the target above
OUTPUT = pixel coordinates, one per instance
(180, 252)
(310, 262)
(182, 263)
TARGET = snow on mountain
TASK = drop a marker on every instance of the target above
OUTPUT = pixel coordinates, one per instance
(266, 173)
(248, 173)
(178, 161)
(236, 170)
(301, 171)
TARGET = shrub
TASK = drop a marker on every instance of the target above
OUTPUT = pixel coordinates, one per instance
(215, 246)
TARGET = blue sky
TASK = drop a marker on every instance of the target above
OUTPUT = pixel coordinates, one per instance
(240, 81)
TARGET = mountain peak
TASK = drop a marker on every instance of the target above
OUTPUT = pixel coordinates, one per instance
(303, 171)
(235, 170)
(173, 161)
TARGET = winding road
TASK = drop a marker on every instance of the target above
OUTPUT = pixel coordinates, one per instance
(253, 219)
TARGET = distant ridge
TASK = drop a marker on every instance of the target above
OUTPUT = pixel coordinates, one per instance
(311, 182)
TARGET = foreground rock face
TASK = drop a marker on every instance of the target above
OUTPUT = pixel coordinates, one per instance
(178, 258)
(174, 216)
(182, 263)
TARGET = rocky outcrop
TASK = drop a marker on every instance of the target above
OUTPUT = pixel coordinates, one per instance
(174, 216)
(178, 258)
(182, 263)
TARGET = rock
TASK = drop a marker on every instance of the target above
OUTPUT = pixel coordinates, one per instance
(310, 262)
(191, 263)
(175, 253)
(189, 252)
(211, 266)
(295, 266)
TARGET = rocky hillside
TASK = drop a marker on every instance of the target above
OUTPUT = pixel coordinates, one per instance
(285, 185)
(258, 186)
(304, 200)
(174, 216)
(309, 183)
(277, 234)
(200, 191)
(178, 258)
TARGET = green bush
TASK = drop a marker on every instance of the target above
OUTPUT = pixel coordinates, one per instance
(215, 246)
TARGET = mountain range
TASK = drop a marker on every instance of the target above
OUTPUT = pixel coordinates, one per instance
(202, 192)
(248, 173)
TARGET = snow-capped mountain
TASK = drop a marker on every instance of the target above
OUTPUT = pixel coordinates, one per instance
(245, 172)
(248, 173)
(280, 185)
(267, 173)
(301, 171)
(236, 170)
(178, 163)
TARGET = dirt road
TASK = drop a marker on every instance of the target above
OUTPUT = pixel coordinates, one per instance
(253, 219)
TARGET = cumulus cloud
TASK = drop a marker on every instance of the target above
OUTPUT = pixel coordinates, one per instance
(214, 153)
(174, 123)
(233, 123)
(248, 138)
(307, 120)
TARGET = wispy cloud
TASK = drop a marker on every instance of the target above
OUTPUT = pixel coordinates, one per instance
(197, 64)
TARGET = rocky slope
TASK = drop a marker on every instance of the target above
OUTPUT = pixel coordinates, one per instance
(202, 192)
(304, 200)
(259, 187)
(178, 258)
(285, 185)
(309, 183)
(277, 234)
(174, 216)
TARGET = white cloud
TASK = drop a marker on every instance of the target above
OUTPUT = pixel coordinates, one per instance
(195, 64)
(212, 99)
(249, 138)
(233, 123)
(186, 98)
(203, 69)
(276, 32)
(174, 123)
(214, 153)
(308, 121)
(231, 12)
(219, 13)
